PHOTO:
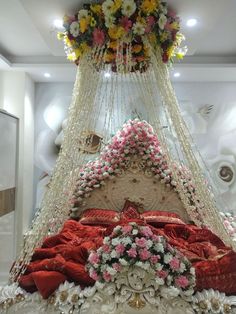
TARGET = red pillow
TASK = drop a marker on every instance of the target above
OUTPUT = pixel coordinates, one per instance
(96, 216)
(130, 211)
(161, 218)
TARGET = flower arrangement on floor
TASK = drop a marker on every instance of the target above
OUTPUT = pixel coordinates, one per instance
(120, 26)
(135, 245)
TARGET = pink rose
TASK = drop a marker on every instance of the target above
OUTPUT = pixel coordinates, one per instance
(175, 263)
(126, 229)
(94, 258)
(106, 276)
(162, 274)
(106, 248)
(141, 242)
(116, 266)
(94, 275)
(120, 248)
(154, 259)
(98, 37)
(144, 254)
(126, 23)
(132, 252)
(182, 281)
(146, 231)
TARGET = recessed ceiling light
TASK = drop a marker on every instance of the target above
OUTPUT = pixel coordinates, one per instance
(176, 74)
(107, 74)
(47, 75)
(58, 23)
(191, 22)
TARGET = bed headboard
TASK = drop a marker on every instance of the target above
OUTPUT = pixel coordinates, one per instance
(137, 184)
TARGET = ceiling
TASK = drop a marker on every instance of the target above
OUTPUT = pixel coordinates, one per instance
(28, 39)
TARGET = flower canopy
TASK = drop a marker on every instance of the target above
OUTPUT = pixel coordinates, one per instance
(122, 27)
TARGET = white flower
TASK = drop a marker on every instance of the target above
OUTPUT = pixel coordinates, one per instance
(108, 7)
(182, 267)
(114, 254)
(123, 262)
(109, 21)
(74, 29)
(139, 29)
(159, 247)
(116, 229)
(162, 21)
(167, 258)
(111, 271)
(192, 271)
(128, 7)
(115, 241)
(159, 281)
(135, 231)
(149, 243)
(169, 292)
(158, 266)
(106, 240)
(82, 14)
(126, 241)
(105, 257)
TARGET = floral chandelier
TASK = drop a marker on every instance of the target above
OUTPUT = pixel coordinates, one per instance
(122, 28)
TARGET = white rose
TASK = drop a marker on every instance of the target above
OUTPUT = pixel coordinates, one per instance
(113, 254)
(74, 29)
(159, 247)
(158, 266)
(82, 14)
(128, 7)
(162, 21)
(123, 262)
(167, 258)
(115, 241)
(169, 292)
(108, 7)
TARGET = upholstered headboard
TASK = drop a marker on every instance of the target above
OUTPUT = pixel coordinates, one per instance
(137, 184)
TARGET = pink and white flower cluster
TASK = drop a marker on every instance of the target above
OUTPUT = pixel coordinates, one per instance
(135, 245)
(136, 138)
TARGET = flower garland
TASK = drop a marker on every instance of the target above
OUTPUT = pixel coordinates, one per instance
(136, 138)
(120, 26)
(229, 221)
(135, 245)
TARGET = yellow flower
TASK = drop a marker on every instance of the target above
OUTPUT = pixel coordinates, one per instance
(71, 56)
(93, 22)
(83, 24)
(84, 47)
(109, 57)
(117, 5)
(152, 38)
(137, 48)
(170, 51)
(113, 45)
(96, 8)
(60, 35)
(148, 6)
(116, 32)
(68, 42)
(175, 25)
(164, 36)
(78, 53)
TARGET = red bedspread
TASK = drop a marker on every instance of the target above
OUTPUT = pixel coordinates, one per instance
(63, 257)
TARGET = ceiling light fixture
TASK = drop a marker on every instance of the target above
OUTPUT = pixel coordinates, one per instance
(47, 75)
(58, 23)
(107, 74)
(191, 22)
(176, 74)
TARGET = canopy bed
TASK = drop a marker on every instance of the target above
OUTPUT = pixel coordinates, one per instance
(136, 192)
